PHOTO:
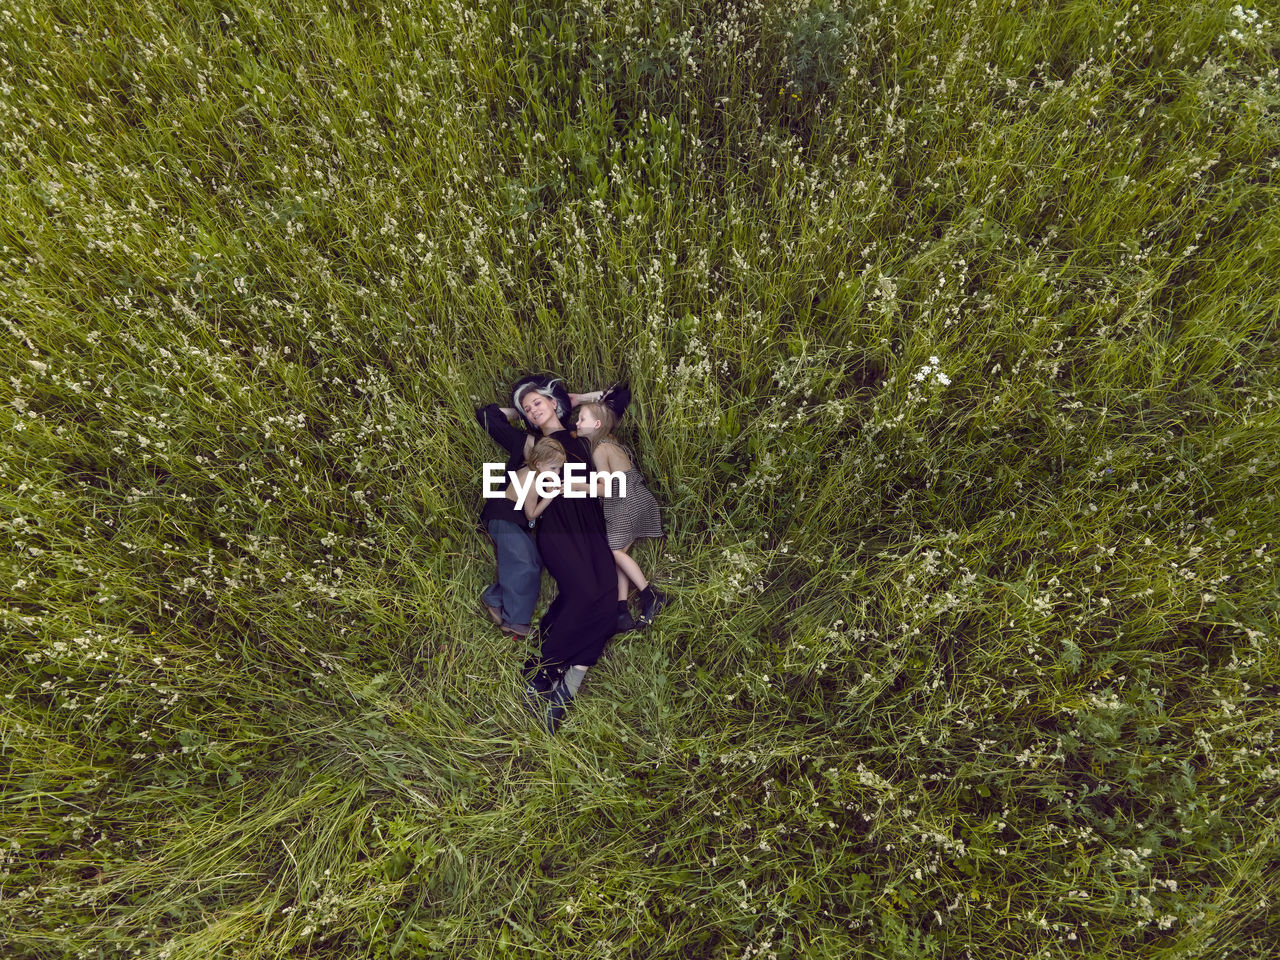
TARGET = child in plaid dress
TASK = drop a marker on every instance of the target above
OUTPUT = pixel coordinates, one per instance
(626, 518)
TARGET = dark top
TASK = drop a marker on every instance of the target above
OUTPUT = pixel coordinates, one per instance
(512, 441)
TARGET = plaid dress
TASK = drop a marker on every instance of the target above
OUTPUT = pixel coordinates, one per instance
(633, 516)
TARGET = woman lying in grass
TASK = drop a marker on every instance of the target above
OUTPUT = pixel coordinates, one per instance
(575, 549)
(616, 399)
(510, 600)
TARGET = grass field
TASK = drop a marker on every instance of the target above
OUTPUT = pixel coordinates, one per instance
(952, 329)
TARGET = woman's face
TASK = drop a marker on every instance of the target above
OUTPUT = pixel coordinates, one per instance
(538, 409)
(587, 424)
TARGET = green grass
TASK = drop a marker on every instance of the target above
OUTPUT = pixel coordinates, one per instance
(969, 657)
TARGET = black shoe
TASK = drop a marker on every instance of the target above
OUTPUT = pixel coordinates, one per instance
(626, 622)
(560, 699)
(537, 690)
(649, 608)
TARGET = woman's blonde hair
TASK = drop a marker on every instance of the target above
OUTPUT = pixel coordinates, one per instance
(553, 389)
(545, 453)
(608, 420)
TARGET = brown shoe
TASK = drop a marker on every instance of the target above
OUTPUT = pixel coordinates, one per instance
(494, 613)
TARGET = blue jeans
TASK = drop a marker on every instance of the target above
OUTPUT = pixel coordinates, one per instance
(519, 576)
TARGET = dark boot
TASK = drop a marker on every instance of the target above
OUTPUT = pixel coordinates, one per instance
(651, 601)
(537, 689)
(558, 705)
(625, 621)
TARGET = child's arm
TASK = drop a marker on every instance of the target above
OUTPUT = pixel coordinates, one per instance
(534, 510)
(577, 486)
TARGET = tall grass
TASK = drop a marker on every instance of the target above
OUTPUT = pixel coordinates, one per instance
(952, 332)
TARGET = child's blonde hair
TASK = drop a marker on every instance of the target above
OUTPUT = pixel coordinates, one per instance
(547, 454)
(608, 420)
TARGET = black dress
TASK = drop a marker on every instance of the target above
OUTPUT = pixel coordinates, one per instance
(574, 548)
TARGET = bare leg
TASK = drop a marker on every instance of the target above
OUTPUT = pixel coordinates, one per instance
(624, 585)
(629, 567)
